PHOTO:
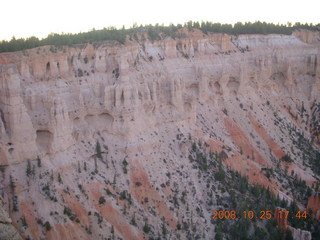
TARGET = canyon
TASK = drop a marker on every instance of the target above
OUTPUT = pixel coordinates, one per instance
(97, 139)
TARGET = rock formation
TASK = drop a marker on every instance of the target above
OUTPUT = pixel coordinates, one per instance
(97, 129)
(299, 234)
(281, 218)
(314, 205)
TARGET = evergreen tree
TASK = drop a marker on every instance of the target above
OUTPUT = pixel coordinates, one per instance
(85, 166)
(29, 168)
(98, 150)
(59, 178)
(38, 161)
(119, 35)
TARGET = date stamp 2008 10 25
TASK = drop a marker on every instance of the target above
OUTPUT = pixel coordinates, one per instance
(257, 215)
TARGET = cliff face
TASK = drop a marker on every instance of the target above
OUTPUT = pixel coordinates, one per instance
(48, 91)
(255, 95)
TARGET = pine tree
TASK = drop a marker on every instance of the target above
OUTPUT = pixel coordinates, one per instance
(38, 161)
(33, 170)
(29, 169)
(12, 184)
(98, 150)
(95, 166)
(112, 232)
(163, 227)
(133, 220)
(59, 178)
(85, 166)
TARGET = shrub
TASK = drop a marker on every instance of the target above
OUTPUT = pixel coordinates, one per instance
(286, 158)
(47, 226)
(178, 226)
(123, 195)
(67, 211)
(146, 228)
(80, 72)
(133, 221)
(108, 191)
(102, 200)
(85, 59)
(24, 222)
(220, 175)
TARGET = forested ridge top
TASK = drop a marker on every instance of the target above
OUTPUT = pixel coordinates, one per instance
(112, 33)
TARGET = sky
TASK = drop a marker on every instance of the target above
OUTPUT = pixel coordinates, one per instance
(25, 18)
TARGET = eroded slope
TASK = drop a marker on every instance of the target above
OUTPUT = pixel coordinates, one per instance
(98, 140)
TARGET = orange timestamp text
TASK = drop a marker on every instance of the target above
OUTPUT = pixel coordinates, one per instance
(225, 214)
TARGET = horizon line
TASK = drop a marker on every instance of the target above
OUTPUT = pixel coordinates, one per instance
(139, 25)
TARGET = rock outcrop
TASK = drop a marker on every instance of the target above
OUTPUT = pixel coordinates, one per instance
(314, 205)
(299, 234)
(281, 217)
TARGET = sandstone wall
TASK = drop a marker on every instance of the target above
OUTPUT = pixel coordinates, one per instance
(48, 98)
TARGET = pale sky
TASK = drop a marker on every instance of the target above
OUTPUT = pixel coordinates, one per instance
(24, 18)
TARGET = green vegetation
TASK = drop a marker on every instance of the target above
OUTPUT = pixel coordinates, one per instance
(47, 226)
(85, 166)
(79, 169)
(286, 158)
(123, 195)
(133, 220)
(178, 226)
(163, 227)
(29, 169)
(99, 218)
(73, 217)
(306, 149)
(14, 197)
(98, 150)
(12, 184)
(112, 233)
(96, 166)
(59, 178)
(220, 175)
(102, 200)
(49, 193)
(239, 195)
(108, 191)
(200, 159)
(38, 161)
(219, 235)
(124, 166)
(88, 230)
(119, 35)
(24, 222)
(146, 228)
